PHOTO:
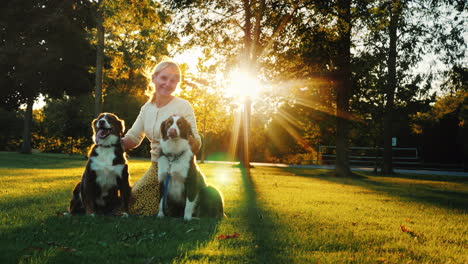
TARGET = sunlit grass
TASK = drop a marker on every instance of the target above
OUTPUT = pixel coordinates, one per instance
(360, 220)
(282, 216)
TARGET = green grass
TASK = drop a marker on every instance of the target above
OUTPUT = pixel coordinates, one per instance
(282, 216)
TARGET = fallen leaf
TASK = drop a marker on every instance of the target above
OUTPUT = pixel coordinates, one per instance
(405, 229)
(408, 231)
(381, 260)
(233, 235)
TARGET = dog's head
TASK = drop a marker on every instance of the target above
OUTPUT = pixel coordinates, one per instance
(107, 127)
(176, 127)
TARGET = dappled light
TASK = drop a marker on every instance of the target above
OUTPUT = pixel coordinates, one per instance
(290, 124)
(321, 107)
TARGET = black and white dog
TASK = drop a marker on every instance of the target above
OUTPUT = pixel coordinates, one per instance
(106, 172)
(182, 185)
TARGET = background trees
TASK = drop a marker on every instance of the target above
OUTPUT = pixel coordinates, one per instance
(399, 37)
(38, 53)
(329, 68)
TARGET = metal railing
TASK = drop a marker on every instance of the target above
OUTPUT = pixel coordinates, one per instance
(369, 155)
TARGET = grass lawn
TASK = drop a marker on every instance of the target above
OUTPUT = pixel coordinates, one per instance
(280, 216)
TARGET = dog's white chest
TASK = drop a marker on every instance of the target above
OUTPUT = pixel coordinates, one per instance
(177, 166)
(106, 173)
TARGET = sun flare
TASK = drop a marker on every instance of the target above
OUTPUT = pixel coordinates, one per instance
(243, 84)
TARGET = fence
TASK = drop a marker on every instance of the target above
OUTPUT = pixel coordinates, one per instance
(371, 156)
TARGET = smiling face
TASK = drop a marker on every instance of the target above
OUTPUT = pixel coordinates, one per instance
(166, 81)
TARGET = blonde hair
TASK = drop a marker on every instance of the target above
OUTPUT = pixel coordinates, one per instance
(149, 72)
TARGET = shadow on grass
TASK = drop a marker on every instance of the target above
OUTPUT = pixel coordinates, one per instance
(104, 240)
(46, 236)
(407, 187)
(267, 247)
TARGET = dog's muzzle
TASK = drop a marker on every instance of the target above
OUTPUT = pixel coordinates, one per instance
(172, 132)
(103, 132)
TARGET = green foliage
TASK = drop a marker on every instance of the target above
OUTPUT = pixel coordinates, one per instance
(46, 52)
(136, 37)
(443, 107)
(10, 134)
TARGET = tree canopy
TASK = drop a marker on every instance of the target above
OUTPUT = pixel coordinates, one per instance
(338, 73)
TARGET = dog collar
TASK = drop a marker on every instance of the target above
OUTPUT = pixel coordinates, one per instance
(173, 157)
(108, 146)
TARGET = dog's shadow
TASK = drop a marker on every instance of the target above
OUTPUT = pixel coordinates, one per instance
(99, 239)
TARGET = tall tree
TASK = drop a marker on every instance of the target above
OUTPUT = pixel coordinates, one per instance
(241, 32)
(395, 13)
(46, 52)
(99, 15)
(406, 31)
(344, 85)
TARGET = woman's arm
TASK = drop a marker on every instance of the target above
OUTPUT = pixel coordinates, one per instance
(128, 144)
(135, 134)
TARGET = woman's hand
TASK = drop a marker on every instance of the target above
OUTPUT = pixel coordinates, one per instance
(157, 152)
(194, 145)
(127, 144)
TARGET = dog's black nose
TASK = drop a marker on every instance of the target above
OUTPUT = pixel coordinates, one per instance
(102, 123)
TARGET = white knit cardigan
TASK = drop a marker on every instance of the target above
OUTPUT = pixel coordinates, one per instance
(149, 121)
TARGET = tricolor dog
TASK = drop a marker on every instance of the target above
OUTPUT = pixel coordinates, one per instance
(104, 186)
(183, 188)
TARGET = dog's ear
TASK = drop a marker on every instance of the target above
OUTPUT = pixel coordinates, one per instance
(186, 128)
(121, 125)
(164, 129)
(93, 124)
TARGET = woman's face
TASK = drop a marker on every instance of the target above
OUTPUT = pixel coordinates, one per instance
(166, 81)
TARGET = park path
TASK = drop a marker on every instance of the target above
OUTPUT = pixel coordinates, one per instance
(331, 167)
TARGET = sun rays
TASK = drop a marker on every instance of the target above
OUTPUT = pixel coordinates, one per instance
(243, 84)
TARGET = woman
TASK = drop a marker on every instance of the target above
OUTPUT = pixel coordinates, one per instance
(162, 104)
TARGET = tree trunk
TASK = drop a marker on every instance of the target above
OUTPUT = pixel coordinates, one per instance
(26, 145)
(203, 148)
(246, 133)
(99, 61)
(248, 61)
(387, 167)
(464, 137)
(342, 168)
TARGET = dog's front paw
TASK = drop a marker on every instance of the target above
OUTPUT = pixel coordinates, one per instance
(187, 218)
(160, 215)
(125, 215)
